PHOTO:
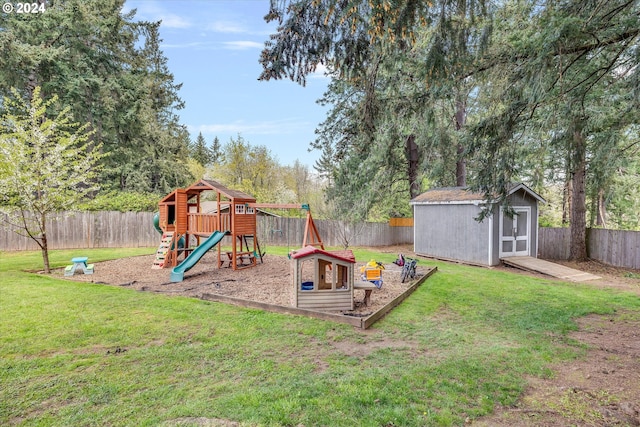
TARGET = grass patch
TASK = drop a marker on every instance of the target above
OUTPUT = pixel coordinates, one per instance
(83, 354)
(631, 275)
(32, 260)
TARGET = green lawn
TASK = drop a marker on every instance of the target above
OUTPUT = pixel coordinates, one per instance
(84, 354)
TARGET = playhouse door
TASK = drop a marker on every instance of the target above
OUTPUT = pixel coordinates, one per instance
(515, 233)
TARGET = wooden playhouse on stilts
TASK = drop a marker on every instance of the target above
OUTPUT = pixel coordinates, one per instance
(188, 232)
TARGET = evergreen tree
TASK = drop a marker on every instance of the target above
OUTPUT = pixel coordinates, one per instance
(382, 108)
(109, 70)
(472, 81)
(326, 164)
(200, 152)
(216, 151)
(563, 67)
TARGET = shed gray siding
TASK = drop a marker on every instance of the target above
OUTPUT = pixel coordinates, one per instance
(495, 236)
(449, 231)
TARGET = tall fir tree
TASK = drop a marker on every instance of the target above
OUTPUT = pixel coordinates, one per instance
(109, 70)
(217, 155)
(200, 152)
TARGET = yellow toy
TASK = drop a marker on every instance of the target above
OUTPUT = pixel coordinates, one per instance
(372, 272)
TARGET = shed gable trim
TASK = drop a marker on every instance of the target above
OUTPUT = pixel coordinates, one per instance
(527, 190)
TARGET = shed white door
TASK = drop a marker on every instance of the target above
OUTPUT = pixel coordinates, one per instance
(515, 233)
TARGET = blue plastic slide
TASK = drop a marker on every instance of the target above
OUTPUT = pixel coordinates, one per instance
(177, 274)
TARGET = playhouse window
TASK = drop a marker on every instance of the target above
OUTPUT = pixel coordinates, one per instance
(240, 209)
(326, 275)
(250, 210)
(306, 275)
(342, 274)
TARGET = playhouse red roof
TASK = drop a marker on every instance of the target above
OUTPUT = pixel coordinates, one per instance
(346, 255)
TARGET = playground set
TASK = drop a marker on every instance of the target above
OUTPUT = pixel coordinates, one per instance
(181, 222)
(322, 279)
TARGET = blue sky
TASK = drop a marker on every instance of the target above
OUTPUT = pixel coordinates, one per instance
(213, 47)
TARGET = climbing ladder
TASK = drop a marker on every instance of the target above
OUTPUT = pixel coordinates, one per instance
(248, 243)
(161, 254)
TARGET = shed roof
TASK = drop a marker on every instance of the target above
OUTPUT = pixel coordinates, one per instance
(346, 255)
(209, 184)
(462, 195)
(448, 194)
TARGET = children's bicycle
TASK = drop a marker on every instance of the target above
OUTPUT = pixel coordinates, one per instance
(408, 269)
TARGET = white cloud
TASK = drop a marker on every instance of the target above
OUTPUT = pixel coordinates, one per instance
(236, 27)
(174, 21)
(154, 11)
(211, 45)
(274, 127)
(184, 45)
(321, 72)
(242, 45)
(226, 27)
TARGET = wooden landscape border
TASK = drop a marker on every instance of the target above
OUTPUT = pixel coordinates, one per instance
(358, 322)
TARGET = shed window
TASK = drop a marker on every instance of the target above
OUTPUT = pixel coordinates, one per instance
(250, 210)
(240, 209)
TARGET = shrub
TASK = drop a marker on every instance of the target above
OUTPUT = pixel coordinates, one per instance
(122, 201)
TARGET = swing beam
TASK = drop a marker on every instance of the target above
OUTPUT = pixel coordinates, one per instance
(311, 234)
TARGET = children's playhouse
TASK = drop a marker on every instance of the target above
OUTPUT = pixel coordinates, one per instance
(323, 279)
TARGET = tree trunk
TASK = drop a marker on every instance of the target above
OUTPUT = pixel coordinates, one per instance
(461, 164)
(461, 168)
(413, 160)
(602, 210)
(566, 199)
(578, 220)
(44, 245)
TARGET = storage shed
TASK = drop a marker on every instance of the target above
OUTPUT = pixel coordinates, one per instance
(445, 226)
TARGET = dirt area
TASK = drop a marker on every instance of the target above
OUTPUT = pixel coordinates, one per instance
(269, 282)
(600, 389)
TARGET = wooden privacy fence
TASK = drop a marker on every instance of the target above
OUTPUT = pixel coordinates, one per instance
(615, 247)
(72, 230)
(135, 229)
(290, 232)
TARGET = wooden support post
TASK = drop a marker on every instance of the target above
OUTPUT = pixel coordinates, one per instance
(218, 227)
(311, 234)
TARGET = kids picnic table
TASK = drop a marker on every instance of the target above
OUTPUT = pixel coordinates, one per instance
(78, 263)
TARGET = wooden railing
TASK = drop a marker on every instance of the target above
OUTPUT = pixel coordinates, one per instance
(201, 223)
